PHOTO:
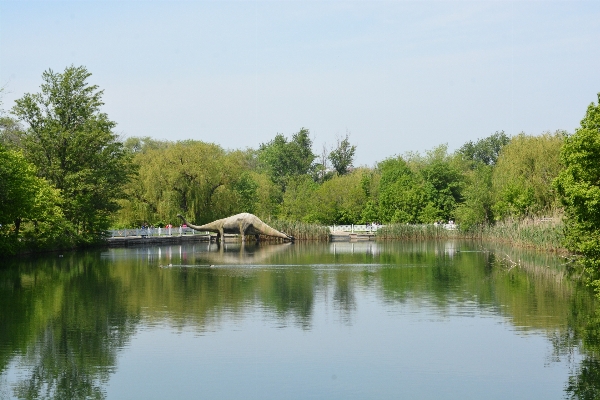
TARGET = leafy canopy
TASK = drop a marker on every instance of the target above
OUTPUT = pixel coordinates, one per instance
(71, 143)
(579, 187)
(522, 178)
(283, 159)
(342, 156)
(26, 197)
(484, 151)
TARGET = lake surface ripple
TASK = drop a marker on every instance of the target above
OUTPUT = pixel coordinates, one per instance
(365, 320)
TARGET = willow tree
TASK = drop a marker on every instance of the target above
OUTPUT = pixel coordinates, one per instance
(199, 179)
(523, 176)
(72, 144)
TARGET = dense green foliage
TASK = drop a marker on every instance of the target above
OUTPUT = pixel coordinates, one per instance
(26, 197)
(579, 186)
(283, 159)
(63, 167)
(485, 151)
(495, 178)
(199, 179)
(341, 157)
(72, 145)
(522, 179)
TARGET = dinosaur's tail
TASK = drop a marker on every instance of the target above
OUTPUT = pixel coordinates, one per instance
(206, 227)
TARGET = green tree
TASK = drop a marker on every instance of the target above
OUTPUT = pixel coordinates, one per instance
(523, 176)
(267, 202)
(400, 192)
(246, 189)
(142, 144)
(369, 183)
(478, 162)
(18, 184)
(442, 184)
(25, 197)
(72, 144)
(579, 187)
(342, 199)
(484, 151)
(476, 207)
(299, 199)
(283, 159)
(198, 179)
(342, 156)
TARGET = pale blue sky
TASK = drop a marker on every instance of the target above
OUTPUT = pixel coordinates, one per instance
(399, 76)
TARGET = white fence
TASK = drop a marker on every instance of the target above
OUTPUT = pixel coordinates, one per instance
(373, 228)
(355, 228)
(451, 226)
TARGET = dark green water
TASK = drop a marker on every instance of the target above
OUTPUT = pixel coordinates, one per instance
(367, 320)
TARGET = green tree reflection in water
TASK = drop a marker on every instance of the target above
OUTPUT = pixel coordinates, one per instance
(65, 320)
(585, 384)
(66, 323)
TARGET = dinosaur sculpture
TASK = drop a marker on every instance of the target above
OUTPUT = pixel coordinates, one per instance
(244, 224)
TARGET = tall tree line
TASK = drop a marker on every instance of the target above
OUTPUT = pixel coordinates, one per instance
(492, 178)
(66, 177)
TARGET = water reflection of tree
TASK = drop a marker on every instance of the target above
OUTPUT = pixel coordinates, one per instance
(291, 293)
(77, 323)
(57, 371)
(529, 289)
(67, 319)
(585, 383)
(343, 295)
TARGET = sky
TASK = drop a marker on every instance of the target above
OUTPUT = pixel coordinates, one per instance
(397, 76)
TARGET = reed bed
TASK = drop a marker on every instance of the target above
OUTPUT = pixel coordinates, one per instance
(412, 232)
(301, 230)
(539, 233)
(544, 234)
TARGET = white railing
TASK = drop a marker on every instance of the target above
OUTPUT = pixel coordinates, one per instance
(355, 228)
(373, 228)
(450, 226)
(152, 232)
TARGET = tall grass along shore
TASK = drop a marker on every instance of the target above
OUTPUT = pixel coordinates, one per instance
(539, 233)
(411, 232)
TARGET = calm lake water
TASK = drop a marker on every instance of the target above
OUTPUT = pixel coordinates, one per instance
(365, 320)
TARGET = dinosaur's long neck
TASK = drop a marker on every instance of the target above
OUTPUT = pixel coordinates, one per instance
(267, 230)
